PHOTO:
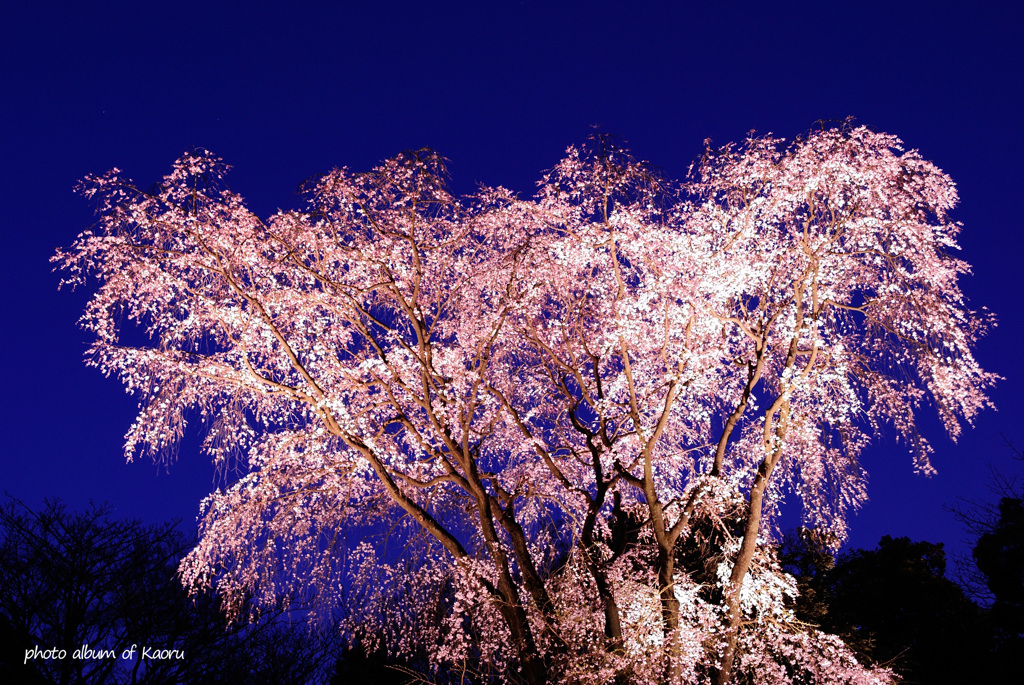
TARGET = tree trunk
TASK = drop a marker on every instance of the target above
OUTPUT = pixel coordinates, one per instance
(669, 613)
(534, 669)
(744, 558)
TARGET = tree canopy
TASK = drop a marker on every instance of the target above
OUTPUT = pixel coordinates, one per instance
(503, 384)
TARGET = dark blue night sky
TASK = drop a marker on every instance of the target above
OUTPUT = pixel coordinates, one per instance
(500, 88)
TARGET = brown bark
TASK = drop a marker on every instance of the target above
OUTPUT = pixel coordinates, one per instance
(669, 612)
(739, 572)
(749, 544)
(509, 602)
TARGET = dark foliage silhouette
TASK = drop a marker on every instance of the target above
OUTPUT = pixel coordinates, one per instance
(894, 605)
(74, 579)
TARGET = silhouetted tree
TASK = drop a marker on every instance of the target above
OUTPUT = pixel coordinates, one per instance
(85, 580)
(995, 573)
(893, 605)
(999, 554)
(356, 664)
(806, 554)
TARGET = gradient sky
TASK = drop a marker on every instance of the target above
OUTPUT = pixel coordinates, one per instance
(500, 88)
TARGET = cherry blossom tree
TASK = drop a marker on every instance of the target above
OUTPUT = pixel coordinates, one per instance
(576, 415)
